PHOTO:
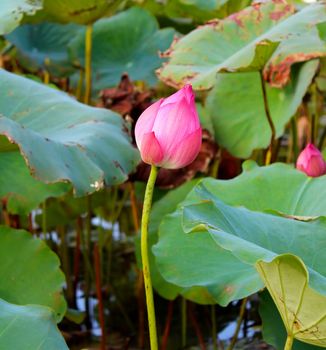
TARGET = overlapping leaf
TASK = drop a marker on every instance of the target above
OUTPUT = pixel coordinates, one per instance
(30, 272)
(128, 42)
(303, 311)
(44, 46)
(267, 36)
(245, 235)
(61, 139)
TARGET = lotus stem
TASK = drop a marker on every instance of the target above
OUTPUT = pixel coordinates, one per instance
(237, 330)
(269, 154)
(289, 342)
(88, 63)
(145, 258)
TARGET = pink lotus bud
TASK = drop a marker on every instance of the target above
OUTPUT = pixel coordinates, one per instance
(311, 161)
(168, 133)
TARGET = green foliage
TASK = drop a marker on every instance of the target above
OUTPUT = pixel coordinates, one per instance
(128, 42)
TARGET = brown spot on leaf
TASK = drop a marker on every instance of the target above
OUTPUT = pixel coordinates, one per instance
(82, 11)
(279, 14)
(237, 18)
(278, 75)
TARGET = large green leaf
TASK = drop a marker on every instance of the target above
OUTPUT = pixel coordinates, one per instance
(30, 272)
(22, 192)
(195, 261)
(44, 46)
(247, 41)
(237, 231)
(13, 11)
(128, 42)
(303, 311)
(62, 139)
(29, 327)
(273, 329)
(236, 107)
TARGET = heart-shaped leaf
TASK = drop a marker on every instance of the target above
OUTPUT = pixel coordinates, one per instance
(236, 107)
(129, 42)
(302, 309)
(13, 11)
(44, 46)
(266, 35)
(30, 272)
(62, 139)
(29, 327)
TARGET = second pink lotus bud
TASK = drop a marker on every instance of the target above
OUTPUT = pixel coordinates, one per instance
(311, 161)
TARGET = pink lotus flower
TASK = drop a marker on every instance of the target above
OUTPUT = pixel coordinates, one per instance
(311, 161)
(168, 133)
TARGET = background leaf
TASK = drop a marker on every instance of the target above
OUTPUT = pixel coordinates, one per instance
(237, 111)
(129, 42)
(44, 46)
(75, 11)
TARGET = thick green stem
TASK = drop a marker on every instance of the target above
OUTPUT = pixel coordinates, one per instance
(88, 63)
(145, 258)
(289, 342)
